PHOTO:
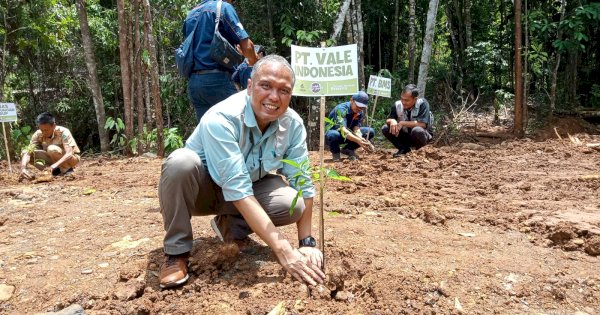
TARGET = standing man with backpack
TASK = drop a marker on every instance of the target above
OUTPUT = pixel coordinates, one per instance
(210, 82)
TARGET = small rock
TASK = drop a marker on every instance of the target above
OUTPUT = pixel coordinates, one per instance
(86, 271)
(6, 292)
(149, 155)
(128, 291)
(243, 294)
(103, 265)
(24, 197)
(74, 309)
(1, 210)
(473, 146)
(578, 241)
(344, 296)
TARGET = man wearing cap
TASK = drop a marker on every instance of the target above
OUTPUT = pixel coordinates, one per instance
(410, 122)
(209, 82)
(347, 129)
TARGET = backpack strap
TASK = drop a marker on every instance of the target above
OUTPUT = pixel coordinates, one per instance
(218, 15)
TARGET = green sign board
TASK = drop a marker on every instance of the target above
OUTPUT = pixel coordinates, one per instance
(327, 71)
(380, 86)
(8, 112)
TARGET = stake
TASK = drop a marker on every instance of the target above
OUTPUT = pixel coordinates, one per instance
(8, 154)
(322, 175)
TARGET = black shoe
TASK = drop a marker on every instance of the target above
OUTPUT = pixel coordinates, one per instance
(352, 156)
(335, 157)
(56, 171)
(401, 152)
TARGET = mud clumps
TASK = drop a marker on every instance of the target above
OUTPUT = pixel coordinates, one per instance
(562, 234)
(592, 246)
(432, 216)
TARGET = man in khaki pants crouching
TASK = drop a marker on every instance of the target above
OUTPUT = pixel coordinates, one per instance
(52, 144)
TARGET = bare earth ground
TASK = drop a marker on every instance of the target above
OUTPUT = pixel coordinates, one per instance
(508, 228)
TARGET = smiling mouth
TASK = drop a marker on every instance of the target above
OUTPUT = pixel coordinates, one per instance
(271, 107)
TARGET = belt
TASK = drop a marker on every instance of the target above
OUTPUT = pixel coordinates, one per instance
(207, 71)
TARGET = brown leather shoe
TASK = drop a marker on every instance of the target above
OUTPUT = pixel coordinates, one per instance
(174, 271)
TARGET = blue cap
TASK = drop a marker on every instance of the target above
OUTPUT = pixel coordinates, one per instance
(361, 99)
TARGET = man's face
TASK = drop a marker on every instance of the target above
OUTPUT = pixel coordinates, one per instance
(408, 101)
(47, 129)
(355, 108)
(270, 93)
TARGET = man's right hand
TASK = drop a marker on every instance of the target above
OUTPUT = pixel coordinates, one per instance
(26, 174)
(300, 268)
(395, 128)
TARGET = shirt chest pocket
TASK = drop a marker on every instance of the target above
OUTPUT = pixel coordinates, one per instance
(273, 155)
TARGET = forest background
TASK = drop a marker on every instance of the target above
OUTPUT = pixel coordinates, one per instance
(105, 68)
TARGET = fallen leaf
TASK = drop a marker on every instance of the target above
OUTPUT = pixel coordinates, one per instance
(457, 305)
(88, 191)
(127, 243)
(279, 309)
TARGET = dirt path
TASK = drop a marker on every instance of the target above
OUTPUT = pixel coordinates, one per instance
(509, 228)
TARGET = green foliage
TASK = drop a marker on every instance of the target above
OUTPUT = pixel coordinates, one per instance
(305, 170)
(119, 140)
(21, 137)
(147, 141)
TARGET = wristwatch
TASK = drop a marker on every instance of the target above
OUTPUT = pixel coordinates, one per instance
(308, 241)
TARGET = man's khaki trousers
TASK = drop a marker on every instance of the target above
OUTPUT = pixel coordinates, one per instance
(52, 154)
(186, 189)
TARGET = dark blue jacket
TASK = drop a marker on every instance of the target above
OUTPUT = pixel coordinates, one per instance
(229, 25)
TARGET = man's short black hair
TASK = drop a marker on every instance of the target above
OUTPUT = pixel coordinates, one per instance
(45, 118)
(412, 89)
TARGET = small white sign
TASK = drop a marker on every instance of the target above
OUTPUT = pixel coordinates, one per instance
(8, 112)
(380, 86)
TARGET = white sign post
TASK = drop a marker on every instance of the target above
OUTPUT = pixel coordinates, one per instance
(325, 71)
(8, 113)
(378, 86)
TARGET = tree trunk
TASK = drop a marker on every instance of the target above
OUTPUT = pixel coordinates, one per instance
(518, 73)
(526, 69)
(270, 18)
(90, 61)
(427, 45)
(131, 20)
(379, 41)
(457, 54)
(395, 35)
(412, 42)
(339, 21)
(139, 85)
(359, 40)
(349, 30)
(467, 18)
(154, 78)
(313, 125)
(563, 5)
(125, 72)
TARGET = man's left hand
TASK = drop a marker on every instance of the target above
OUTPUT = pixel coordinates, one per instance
(313, 255)
(367, 146)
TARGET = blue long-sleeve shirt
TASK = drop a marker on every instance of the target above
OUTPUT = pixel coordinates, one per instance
(229, 26)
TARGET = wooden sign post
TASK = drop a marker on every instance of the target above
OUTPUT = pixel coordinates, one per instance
(8, 113)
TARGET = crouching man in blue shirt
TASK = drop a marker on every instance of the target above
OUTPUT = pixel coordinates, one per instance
(224, 170)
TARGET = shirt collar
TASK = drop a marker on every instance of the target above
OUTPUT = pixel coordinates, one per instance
(250, 119)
